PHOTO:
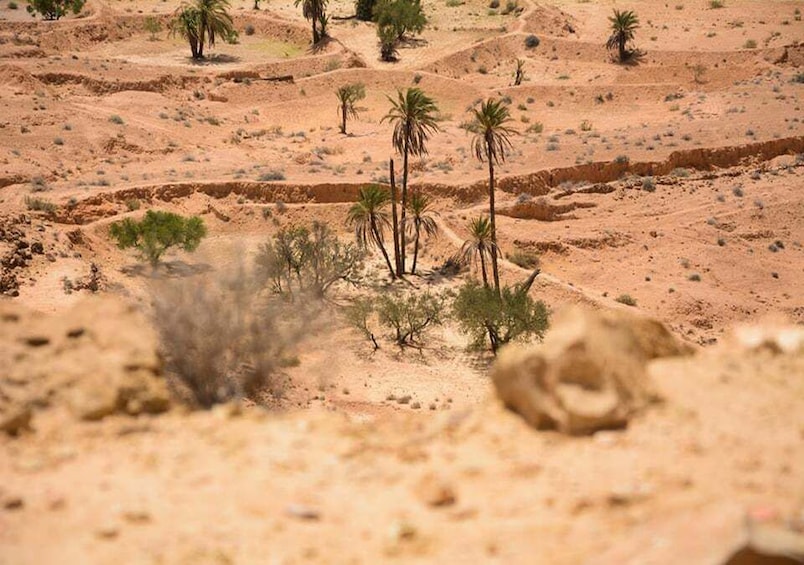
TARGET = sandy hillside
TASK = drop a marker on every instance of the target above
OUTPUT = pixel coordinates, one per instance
(667, 188)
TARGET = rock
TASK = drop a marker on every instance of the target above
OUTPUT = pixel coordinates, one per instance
(14, 418)
(13, 503)
(100, 358)
(588, 375)
(435, 491)
(302, 512)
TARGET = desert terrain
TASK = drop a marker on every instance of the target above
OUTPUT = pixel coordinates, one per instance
(666, 188)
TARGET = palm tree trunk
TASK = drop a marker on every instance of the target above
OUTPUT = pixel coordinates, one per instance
(492, 219)
(395, 220)
(483, 269)
(378, 240)
(415, 251)
(402, 239)
(622, 47)
(343, 118)
(315, 32)
(201, 41)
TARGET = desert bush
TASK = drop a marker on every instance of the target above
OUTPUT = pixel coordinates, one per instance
(410, 315)
(115, 119)
(364, 9)
(152, 26)
(648, 185)
(483, 315)
(299, 260)
(626, 299)
(404, 17)
(750, 44)
(40, 205)
(694, 277)
(359, 314)
(525, 259)
(157, 232)
(272, 175)
(531, 42)
(54, 9)
(249, 29)
(799, 78)
(12, 6)
(132, 204)
(221, 340)
(716, 4)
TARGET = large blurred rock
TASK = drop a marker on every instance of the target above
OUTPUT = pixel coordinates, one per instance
(590, 372)
(99, 358)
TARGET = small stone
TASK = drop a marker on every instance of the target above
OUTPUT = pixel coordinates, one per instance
(435, 491)
(108, 531)
(302, 512)
(403, 399)
(13, 503)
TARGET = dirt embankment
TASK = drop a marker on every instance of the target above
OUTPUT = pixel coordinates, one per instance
(536, 184)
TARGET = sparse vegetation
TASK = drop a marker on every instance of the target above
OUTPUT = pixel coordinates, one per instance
(158, 232)
(40, 205)
(626, 299)
(201, 23)
(623, 26)
(532, 42)
(53, 9)
(348, 95)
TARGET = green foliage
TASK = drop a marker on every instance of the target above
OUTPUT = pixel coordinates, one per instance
(369, 219)
(54, 9)
(532, 42)
(157, 232)
(364, 10)
(152, 26)
(348, 95)
(388, 41)
(623, 27)
(401, 16)
(202, 22)
(314, 11)
(479, 246)
(409, 316)
(525, 259)
(308, 261)
(496, 319)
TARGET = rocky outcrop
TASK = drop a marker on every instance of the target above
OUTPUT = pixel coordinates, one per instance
(98, 359)
(589, 374)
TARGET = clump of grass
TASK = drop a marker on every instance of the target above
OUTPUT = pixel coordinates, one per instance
(750, 44)
(716, 4)
(626, 299)
(738, 191)
(694, 277)
(132, 204)
(531, 41)
(249, 29)
(524, 259)
(680, 172)
(535, 127)
(648, 185)
(40, 205)
(272, 175)
(115, 119)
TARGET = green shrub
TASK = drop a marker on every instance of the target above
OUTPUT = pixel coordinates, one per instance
(12, 6)
(489, 318)
(410, 316)
(525, 259)
(115, 119)
(402, 16)
(157, 232)
(54, 9)
(626, 299)
(272, 175)
(531, 42)
(750, 44)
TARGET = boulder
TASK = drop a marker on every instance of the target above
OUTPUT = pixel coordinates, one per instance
(97, 359)
(589, 373)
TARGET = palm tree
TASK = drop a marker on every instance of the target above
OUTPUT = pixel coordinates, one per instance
(480, 244)
(315, 11)
(491, 143)
(348, 95)
(370, 220)
(204, 21)
(623, 26)
(413, 114)
(519, 73)
(422, 219)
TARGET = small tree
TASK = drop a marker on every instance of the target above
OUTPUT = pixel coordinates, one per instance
(421, 220)
(388, 41)
(157, 232)
(479, 245)
(308, 261)
(623, 27)
(202, 22)
(364, 10)
(54, 9)
(152, 26)
(484, 314)
(369, 219)
(402, 16)
(348, 95)
(410, 316)
(519, 72)
(314, 11)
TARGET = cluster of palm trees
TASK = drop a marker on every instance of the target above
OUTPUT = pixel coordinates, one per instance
(414, 116)
(201, 22)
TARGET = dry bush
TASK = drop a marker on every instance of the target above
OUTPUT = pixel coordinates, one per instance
(223, 338)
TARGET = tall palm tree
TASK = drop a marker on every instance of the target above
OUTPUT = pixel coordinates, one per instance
(480, 244)
(348, 95)
(369, 220)
(421, 220)
(623, 26)
(202, 22)
(491, 143)
(314, 11)
(413, 114)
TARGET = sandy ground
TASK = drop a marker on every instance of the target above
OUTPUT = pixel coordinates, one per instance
(679, 189)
